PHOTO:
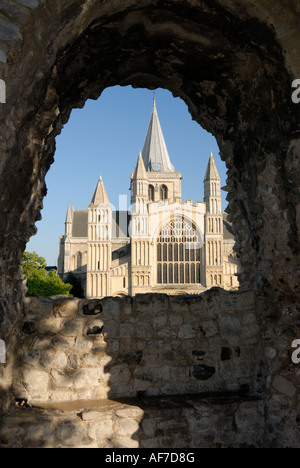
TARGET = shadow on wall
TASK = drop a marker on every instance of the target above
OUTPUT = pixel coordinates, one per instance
(150, 371)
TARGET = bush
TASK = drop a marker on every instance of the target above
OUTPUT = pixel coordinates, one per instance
(39, 281)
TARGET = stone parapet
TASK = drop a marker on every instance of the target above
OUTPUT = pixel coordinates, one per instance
(150, 344)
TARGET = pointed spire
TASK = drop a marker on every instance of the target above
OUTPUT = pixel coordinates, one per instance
(140, 171)
(155, 154)
(100, 195)
(69, 215)
(211, 171)
(69, 221)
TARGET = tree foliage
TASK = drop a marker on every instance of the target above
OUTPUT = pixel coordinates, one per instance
(39, 281)
(77, 289)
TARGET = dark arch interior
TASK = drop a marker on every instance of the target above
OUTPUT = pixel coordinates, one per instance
(231, 74)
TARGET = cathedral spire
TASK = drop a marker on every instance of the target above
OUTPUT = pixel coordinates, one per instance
(211, 171)
(155, 154)
(100, 195)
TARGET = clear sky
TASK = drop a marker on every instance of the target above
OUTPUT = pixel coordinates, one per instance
(105, 138)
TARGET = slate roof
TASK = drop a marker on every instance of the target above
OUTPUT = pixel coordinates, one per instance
(80, 224)
(120, 224)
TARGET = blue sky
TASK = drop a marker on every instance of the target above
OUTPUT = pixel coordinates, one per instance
(104, 138)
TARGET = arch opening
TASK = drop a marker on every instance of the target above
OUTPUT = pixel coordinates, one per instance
(231, 85)
(230, 70)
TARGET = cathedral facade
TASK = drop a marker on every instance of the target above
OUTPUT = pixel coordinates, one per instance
(162, 244)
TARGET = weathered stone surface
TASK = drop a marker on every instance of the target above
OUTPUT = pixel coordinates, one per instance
(88, 378)
(233, 63)
(36, 383)
(65, 307)
(178, 358)
(282, 385)
(101, 430)
(126, 427)
(71, 435)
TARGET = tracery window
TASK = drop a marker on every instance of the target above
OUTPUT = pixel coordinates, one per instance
(179, 253)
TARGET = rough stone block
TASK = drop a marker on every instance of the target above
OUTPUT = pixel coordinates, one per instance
(72, 434)
(36, 383)
(88, 378)
(126, 427)
(130, 412)
(65, 307)
(60, 379)
(187, 331)
(100, 430)
(284, 386)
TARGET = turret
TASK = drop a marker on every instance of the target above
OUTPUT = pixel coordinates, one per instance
(99, 243)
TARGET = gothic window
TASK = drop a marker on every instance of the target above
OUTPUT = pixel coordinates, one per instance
(163, 192)
(151, 193)
(179, 253)
(159, 252)
(159, 277)
(79, 260)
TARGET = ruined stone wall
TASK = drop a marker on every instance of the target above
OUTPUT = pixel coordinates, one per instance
(151, 344)
(188, 422)
(167, 372)
(233, 63)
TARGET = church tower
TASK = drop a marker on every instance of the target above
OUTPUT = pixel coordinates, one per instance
(214, 226)
(140, 241)
(164, 182)
(153, 182)
(99, 244)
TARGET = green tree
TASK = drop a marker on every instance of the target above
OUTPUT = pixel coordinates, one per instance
(39, 281)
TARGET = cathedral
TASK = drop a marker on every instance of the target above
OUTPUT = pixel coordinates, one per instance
(162, 244)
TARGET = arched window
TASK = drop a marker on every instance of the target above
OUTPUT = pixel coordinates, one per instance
(178, 253)
(163, 192)
(151, 193)
(79, 260)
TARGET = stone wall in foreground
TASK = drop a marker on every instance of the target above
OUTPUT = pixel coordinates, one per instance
(162, 422)
(149, 345)
(192, 371)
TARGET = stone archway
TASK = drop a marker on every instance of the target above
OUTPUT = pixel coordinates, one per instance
(227, 62)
